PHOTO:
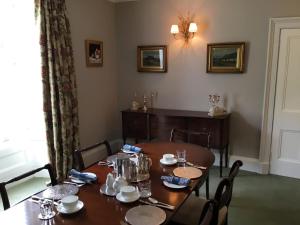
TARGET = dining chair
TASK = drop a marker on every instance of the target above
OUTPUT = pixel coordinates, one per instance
(92, 154)
(209, 214)
(212, 212)
(232, 174)
(223, 196)
(201, 138)
(3, 190)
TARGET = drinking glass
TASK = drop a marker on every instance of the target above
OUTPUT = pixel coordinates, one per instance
(181, 157)
(46, 209)
(145, 188)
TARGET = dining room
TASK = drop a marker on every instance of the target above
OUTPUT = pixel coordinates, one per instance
(150, 112)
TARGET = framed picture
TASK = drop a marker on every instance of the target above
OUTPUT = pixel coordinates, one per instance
(152, 59)
(94, 53)
(225, 57)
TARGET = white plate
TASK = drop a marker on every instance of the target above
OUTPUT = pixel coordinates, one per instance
(47, 217)
(63, 210)
(174, 186)
(128, 200)
(77, 181)
(128, 151)
(168, 163)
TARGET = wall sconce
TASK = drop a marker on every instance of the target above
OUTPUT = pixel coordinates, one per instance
(186, 27)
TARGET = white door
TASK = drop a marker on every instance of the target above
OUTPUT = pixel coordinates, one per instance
(285, 147)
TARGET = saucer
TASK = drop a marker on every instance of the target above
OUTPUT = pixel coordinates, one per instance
(173, 186)
(128, 200)
(63, 210)
(107, 191)
(168, 163)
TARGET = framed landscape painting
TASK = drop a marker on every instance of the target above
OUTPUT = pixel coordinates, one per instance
(152, 59)
(225, 57)
(94, 53)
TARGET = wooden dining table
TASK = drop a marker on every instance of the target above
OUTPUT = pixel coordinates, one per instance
(101, 209)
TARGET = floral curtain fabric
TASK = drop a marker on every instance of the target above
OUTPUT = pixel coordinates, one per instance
(59, 84)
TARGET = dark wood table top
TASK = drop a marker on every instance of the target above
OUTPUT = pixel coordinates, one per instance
(100, 209)
(177, 113)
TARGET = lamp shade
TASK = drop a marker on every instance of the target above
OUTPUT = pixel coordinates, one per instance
(174, 29)
(193, 28)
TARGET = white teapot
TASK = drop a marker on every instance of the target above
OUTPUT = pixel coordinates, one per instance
(119, 183)
(110, 180)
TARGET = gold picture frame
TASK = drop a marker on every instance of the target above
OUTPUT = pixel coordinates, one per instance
(152, 58)
(226, 57)
(94, 53)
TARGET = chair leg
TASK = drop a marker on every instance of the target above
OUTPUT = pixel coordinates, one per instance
(197, 191)
(221, 161)
(207, 187)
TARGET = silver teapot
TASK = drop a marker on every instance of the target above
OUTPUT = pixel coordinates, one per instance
(143, 166)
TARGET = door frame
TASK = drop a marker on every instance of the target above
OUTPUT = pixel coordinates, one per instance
(275, 27)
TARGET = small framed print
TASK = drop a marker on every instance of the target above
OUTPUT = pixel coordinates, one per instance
(225, 57)
(94, 53)
(152, 59)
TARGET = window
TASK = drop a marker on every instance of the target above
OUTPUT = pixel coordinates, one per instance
(22, 128)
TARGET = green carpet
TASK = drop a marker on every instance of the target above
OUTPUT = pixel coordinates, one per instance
(261, 199)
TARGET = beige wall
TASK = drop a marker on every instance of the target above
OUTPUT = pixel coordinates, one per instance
(97, 89)
(187, 85)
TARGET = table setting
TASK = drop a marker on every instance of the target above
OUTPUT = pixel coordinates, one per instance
(130, 181)
(125, 188)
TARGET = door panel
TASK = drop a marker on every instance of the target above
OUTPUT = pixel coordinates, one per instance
(285, 157)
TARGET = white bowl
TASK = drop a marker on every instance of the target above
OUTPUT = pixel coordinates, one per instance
(69, 202)
(168, 157)
(128, 191)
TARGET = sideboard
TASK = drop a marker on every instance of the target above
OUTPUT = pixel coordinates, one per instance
(157, 124)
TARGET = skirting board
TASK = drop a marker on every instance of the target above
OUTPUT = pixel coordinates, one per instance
(249, 164)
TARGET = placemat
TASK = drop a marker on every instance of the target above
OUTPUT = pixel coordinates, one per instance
(59, 191)
(146, 215)
(187, 172)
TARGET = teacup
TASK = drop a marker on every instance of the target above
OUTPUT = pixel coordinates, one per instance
(128, 191)
(69, 202)
(168, 157)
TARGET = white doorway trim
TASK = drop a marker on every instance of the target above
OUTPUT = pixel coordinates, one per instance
(275, 27)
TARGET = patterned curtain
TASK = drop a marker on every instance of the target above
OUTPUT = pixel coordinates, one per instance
(59, 85)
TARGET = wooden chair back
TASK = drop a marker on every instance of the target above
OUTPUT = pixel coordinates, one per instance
(201, 138)
(3, 190)
(232, 174)
(92, 154)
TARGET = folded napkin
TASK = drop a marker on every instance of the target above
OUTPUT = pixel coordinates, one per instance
(176, 180)
(86, 177)
(132, 148)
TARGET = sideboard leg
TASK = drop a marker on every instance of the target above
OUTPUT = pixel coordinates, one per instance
(124, 140)
(221, 161)
(226, 156)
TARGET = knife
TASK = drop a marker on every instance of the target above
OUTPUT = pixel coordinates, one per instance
(170, 207)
